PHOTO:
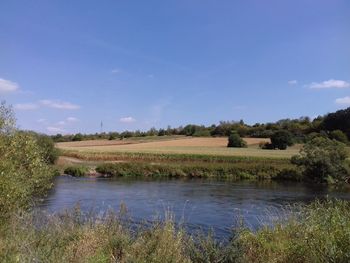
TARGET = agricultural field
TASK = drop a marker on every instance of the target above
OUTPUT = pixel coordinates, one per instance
(177, 145)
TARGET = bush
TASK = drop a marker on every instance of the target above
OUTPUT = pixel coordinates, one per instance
(282, 139)
(77, 171)
(24, 172)
(47, 145)
(322, 160)
(234, 140)
(77, 137)
(266, 146)
(339, 136)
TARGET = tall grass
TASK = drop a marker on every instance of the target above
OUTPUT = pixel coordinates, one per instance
(238, 170)
(319, 232)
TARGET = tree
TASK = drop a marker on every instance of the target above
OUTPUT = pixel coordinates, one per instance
(339, 136)
(339, 120)
(282, 139)
(7, 119)
(323, 160)
(23, 170)
(77, 137)
(234, 140)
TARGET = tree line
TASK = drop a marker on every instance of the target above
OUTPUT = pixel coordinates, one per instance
(333, 125)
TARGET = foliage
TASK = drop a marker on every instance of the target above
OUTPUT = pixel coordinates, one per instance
(339, 136)
(339, 120)
(282, 139)
(7, 119)
(24, 172)
(77, 137)
(322, 159)
(239, 170)
(48, 147)
(77, 171)
(234, 140)
(300, 129)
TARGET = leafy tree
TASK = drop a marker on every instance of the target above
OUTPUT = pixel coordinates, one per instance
(339, 120)
(234, 140)
(23, 168)
(339, 136)
(323, 160)
(77, 137)
(282, 139)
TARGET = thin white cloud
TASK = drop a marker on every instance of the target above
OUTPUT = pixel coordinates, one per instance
(72, 119)
(116, 71)
(330, 84)
(53, 129)
(343, 101)
(41, 120)
(127, 119)
(7, 86)
(61, 105)
(61, 123)
(292, 82)
(26, 106)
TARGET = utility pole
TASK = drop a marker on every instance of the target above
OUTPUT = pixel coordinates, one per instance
(101, 127)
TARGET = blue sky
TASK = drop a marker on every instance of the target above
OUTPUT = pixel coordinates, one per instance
(68, 65)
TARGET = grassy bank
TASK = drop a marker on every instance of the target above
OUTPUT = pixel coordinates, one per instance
(237, 170)
(319, 233)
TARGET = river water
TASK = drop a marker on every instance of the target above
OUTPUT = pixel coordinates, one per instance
(201, 204)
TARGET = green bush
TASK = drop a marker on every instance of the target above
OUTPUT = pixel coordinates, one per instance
(77, 171)
(234, 140)
(339, 136)
(323, 160)
(282, 139)
(24, 172)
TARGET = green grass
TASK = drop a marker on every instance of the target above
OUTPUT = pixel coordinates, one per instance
(319, 232)
(261, 169)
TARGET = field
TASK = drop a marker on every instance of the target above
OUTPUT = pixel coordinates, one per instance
(177, 145)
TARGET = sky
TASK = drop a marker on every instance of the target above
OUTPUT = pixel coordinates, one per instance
(65, 66)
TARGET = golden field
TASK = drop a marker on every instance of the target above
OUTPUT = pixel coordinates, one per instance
(178, 145)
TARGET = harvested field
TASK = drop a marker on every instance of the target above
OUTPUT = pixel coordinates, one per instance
(184, 145)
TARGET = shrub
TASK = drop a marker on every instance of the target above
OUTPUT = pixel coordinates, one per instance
(48, 147)
(77, 137)
(24, 172)
(282, 139)
(266, 146)
(339, 136)
(77, 171)
(234, 140)
(322, 159)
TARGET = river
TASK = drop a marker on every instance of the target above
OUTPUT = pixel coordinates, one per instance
(201, 204)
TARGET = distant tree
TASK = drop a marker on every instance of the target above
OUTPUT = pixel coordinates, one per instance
(282, 139)
(234, 140)
(112, 136)
(339, 136)
(161, 132)
(322, 159)
(77, 137)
